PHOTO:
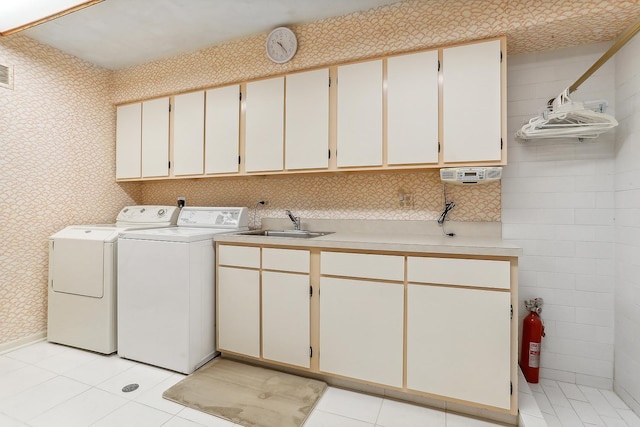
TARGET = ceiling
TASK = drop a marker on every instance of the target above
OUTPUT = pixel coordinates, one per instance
(117, 34)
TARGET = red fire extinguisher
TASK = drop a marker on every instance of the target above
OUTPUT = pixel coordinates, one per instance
(532, 333)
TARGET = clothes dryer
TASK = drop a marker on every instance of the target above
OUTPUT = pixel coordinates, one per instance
(82, 278)
(166, 292)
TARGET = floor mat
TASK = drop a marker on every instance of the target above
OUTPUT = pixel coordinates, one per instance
(248, 395)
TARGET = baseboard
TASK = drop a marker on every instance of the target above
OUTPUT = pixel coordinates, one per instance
(22, 342)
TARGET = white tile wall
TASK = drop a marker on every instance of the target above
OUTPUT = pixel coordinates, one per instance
(558, 204)
(627, 202)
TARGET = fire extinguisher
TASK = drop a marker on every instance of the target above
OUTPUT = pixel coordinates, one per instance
(532, 333)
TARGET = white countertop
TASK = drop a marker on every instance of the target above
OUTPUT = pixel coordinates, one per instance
(388, 242)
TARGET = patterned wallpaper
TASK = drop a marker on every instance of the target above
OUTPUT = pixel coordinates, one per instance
(56, 168)
(57, 128)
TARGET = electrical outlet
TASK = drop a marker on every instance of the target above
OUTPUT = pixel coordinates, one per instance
(406, 200)
(182, 201)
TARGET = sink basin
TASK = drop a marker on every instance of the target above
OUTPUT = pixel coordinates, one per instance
(298, 234)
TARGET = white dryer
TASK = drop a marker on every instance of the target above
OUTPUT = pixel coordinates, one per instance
(82, 277)
(166, 289)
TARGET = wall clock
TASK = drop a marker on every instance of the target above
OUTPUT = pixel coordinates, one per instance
(281, 45)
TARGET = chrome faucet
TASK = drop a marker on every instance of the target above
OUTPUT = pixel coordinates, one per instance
(294, 219)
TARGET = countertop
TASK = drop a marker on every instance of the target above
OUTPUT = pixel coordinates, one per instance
(388, 242)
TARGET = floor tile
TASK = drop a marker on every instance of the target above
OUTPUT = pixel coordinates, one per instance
(613, 399)
(80, 411)
(204, 419)
(38, 399)
(134, 414)
(181, 422)
(614, 422)
(37, 352)
(586, 412)
(320, 418)
(153, 396)
(629, 417)
(543, 403)
(535, 387)
(555, 395)
(571, 391)
(531, 421)
(552, 420)
(66, 360)
(100, 369)
(22, 379)
(527, 405)
(400, 414)
(6, 421)
(455, 420)
(598, 401)
(8, 364)
(350, 404)
(568, 417)
(145, 376)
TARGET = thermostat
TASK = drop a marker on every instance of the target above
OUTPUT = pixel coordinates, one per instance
(464, 176)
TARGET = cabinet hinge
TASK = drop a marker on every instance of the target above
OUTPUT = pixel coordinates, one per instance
(438, 65)
(239, 159)
(510, 387)
(329, 81)
(240, 96)
(438, 146)
(310, 291)
(169, 107)
(500, 56)
(511, 317)
(329, 153)
(310, 351)
(169, 165)
(501, 143)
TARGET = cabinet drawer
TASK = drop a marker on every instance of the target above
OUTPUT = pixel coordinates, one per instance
(295, 260)
(463, 272)
(239, 256)
(386, 267)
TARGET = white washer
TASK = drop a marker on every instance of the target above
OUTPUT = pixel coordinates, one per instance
(82, 277)
(166, 289)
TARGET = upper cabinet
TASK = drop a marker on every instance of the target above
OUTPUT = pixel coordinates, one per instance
(412, 108)
(188, 134)
(430, 109)
(264, 120)
(472, 102)
(222, 130)
(359, 141)
(307, 120)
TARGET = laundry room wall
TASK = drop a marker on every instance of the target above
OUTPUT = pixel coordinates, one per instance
(558, 205)
(627, 233)
(57, 129)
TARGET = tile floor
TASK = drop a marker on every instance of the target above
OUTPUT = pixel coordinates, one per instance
(49, 385)
(571, 405)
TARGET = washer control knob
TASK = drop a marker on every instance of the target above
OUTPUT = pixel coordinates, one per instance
(142, 210)
(162, 212)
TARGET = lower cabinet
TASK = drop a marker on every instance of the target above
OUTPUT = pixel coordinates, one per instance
(361, 329)
(285, 318)
(436, 326)
(238, 311)
(458, 343)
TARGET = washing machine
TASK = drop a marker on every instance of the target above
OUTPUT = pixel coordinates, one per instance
(166, 289)
(82, 277)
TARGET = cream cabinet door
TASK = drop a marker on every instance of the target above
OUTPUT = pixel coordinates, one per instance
(412, 108)
(285, 318)
(360, 114)
(188, 134)
(222, 130)
(458, 343)
(239, 311)
(155, 138)
(361, 330)
(307, 120)
(264, 149)
(128, 140)
(472, 103)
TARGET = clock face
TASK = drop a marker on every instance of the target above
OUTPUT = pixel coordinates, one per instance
(281, 45)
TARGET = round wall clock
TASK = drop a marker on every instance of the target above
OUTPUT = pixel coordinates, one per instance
(281, 45)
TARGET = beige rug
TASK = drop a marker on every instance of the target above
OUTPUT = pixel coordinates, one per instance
(248, 395)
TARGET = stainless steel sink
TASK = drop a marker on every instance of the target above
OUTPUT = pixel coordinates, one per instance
(297, 234)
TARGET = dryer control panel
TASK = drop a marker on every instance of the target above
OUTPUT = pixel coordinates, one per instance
(148, 214)
(211, 217)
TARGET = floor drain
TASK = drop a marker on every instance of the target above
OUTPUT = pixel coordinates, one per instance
(130, 387)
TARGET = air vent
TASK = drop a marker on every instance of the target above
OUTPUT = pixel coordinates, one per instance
(6, 77)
